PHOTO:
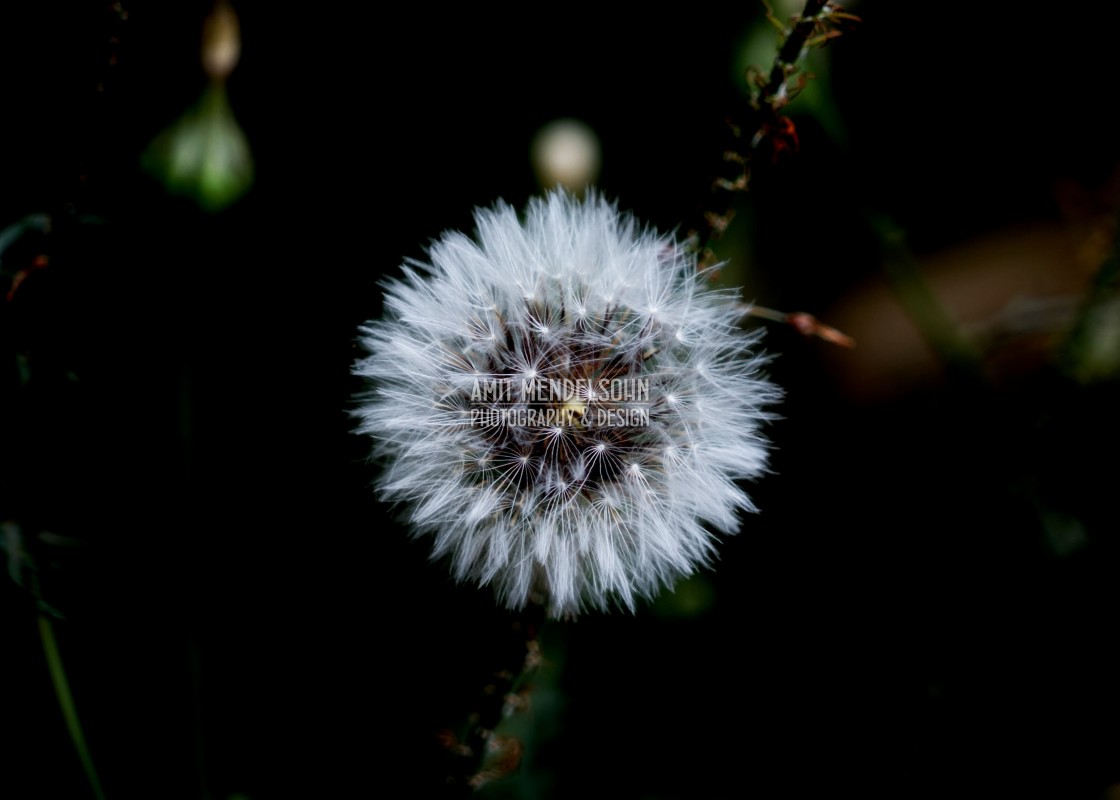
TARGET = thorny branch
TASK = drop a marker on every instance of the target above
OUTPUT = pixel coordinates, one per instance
(817, 24)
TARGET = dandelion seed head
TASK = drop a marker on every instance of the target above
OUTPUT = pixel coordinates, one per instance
(565, 405)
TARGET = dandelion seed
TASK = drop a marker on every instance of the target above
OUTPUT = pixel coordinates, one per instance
(624, 405)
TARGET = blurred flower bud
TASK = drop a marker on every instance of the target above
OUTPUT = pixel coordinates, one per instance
(205, 154)
(221, 42)
(566, 153)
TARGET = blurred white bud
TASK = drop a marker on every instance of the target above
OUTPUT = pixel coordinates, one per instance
(566, 153)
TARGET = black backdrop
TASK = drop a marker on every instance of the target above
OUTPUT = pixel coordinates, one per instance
(245, 616)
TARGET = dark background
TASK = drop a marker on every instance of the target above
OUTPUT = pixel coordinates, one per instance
(245, 616)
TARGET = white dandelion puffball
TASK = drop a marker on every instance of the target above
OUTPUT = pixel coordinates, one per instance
(565, 405)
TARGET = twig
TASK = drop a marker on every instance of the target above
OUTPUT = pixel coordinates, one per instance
(805, 324)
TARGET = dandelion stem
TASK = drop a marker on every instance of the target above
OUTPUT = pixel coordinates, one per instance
(487, 753)
(66, 702)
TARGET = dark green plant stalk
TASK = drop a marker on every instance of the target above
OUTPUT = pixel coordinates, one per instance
(955, 349)
(66, 703)
(1076, 353)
